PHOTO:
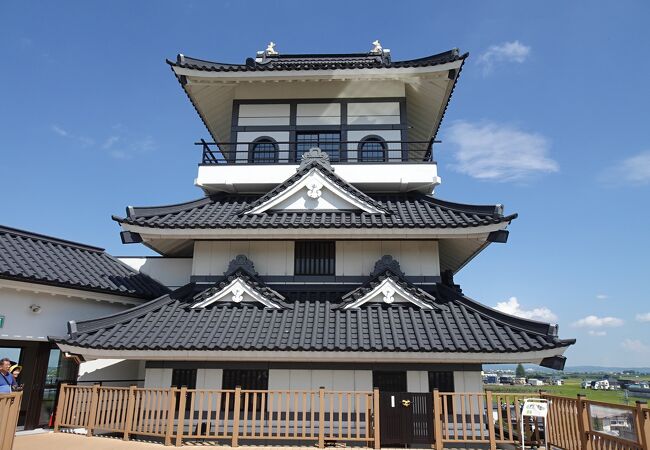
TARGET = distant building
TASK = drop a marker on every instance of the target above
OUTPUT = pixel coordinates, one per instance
(535, 382)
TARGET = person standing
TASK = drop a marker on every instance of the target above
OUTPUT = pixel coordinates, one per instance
(7, 381)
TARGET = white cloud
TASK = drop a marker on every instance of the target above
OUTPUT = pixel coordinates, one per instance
(507, 52)
(635, 345)
(58, 130)
(598, 322)
(512, 307)
(491, 151)
(602, 296)
(645, 317)
(110, 142)
(634, 170)
(596, 333)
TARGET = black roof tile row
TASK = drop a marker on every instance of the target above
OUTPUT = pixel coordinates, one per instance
(35, 258)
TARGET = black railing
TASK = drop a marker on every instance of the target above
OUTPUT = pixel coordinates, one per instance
(290, 152)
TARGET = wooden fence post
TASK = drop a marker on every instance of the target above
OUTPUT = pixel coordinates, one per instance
(490, 419)
(171, 413)
(235, 420)
(375, 399)
(583, 422)
(182, 396)
(92, 414)
(437, 420)
(321, 417)
(59, 412)
(641, 425)
(130, 411)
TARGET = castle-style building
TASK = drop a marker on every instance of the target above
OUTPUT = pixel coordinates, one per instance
(318, 254)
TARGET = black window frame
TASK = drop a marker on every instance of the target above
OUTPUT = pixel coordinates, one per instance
(390, 380)
(323, 145)
(443, 380)
(314, 258)
(249, 379)
(184, 377)
(372, 139)
(263, 140)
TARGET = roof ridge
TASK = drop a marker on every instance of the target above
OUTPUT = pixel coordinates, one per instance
(48, 238)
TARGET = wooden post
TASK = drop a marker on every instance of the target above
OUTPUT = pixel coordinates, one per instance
(235, 420)
(641, 425)
(490, 419)
(437, 420)
(94, 400)
(130, 411)
(181, 415)
(321, 417)
(59, 412)
(375, 400)
(583, 422)
(171, 413)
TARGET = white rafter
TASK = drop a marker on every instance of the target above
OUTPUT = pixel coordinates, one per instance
(313, 183)
(236, 290)
(385, 292)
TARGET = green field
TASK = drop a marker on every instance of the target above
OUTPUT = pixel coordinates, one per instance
(571, 388)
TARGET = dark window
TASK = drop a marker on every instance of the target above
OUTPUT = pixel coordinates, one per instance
(389, 381)
(246, 379)
(372, 149)
(443, 381)
(264, 150)
(314, 257)
(329, 142)
(184, 377)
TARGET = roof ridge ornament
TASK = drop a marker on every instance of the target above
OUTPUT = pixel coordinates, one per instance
(241, 262)
(317, 155)
(377, 49)
(270, 49)
(387, 262)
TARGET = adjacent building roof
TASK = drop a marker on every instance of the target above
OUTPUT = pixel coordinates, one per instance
(35, 258)
(408, 210)
(317, 62)
(454, 324)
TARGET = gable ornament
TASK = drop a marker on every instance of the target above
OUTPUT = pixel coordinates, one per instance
(314, 189)
(237, 294)
(389, 294)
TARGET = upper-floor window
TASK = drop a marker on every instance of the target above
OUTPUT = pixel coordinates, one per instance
(263, 150)
(314, 258)
(327, 141)
(372, 149)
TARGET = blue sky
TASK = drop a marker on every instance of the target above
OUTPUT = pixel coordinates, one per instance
(550, 118)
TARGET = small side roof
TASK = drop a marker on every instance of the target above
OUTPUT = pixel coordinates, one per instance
(41, 259)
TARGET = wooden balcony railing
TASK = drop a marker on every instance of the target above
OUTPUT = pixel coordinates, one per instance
(340, 152)
(323, 416)
(9, 411)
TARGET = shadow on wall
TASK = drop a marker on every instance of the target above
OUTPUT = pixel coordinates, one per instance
(112, 372)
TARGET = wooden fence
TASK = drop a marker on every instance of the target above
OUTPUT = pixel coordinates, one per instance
(9, 410)
(322, 416)
(182, 415)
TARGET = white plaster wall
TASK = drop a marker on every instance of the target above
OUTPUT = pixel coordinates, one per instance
(250, 136)
(209, 378)
(373, 113)
(417, 381)
(269, 257)
(157, 378)
(394, 148)
(468, 381)
(416, 258)
(318, 114)
(56, 310)
(267, 114)
(332, 380)
(172, 272)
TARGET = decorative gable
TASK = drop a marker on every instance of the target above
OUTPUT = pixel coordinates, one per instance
(237, 291)
(315, 187)
(387, 285)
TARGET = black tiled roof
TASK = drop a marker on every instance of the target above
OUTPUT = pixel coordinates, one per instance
(35, 258)
(317, 62)
(455, 324)
(410, 210)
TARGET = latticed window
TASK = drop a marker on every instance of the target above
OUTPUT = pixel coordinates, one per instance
(372, 149)
(443, 381)
(184, 377)
(264, 150)
(314, 257)
(389, 381)
(257, 379)
(329, 142)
